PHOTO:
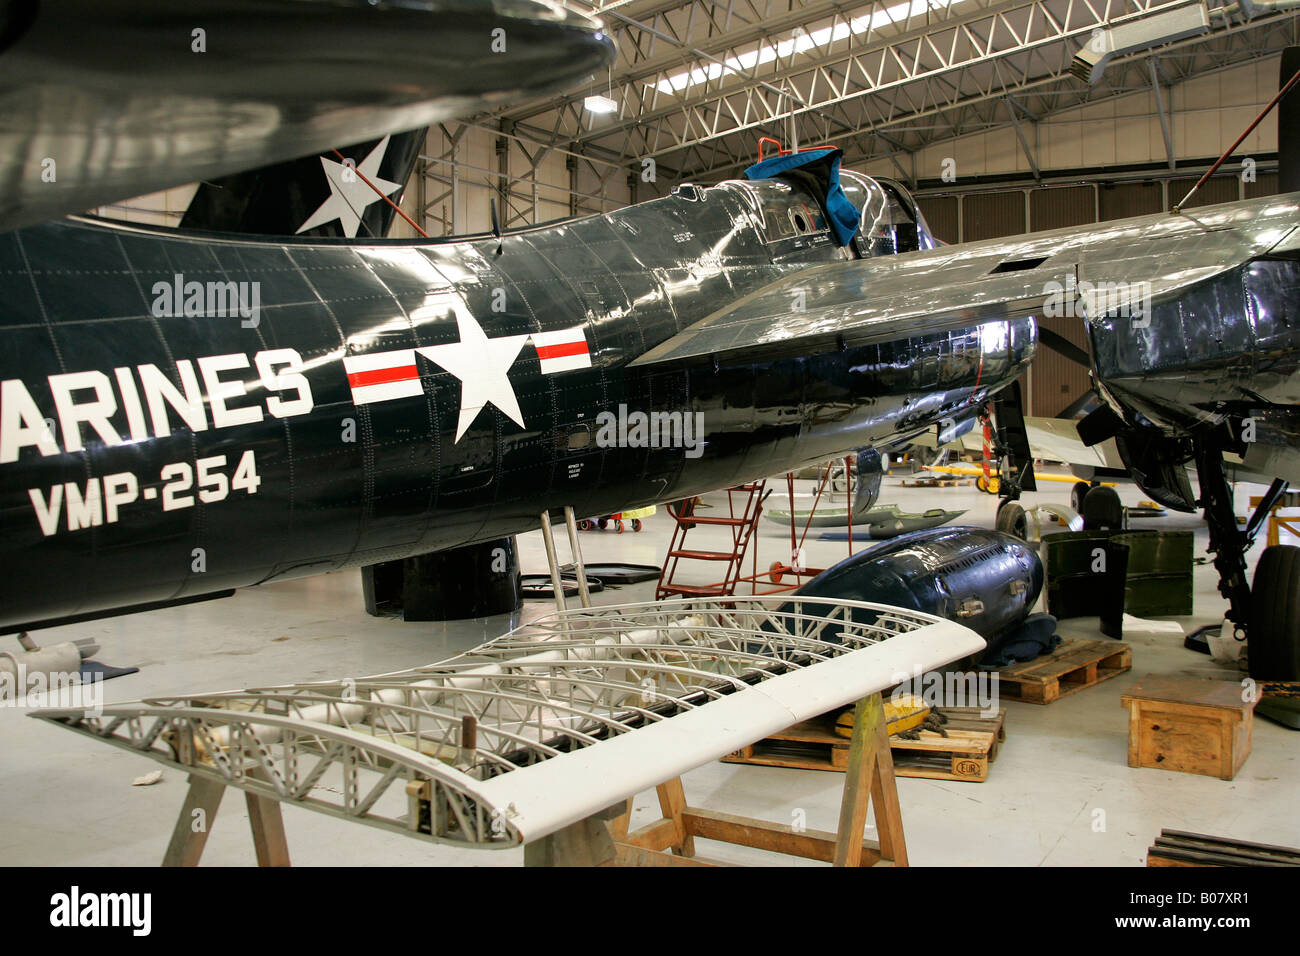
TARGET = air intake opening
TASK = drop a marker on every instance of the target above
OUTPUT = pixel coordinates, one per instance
(1019, 265)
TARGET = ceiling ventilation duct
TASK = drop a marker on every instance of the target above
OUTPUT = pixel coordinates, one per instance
(1106, 43)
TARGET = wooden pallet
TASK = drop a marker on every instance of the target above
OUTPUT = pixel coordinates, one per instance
(1074, 666)
(1179, 848)
(965, 754)
(936, 482)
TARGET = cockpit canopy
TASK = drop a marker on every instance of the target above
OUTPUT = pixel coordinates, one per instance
(791, 217)
(891, 220)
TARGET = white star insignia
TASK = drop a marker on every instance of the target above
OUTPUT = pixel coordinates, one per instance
(482, 365)
(349, 194)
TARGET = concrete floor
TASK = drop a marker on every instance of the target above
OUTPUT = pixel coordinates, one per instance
(1060, 792)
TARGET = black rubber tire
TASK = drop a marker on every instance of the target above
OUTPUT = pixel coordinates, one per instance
(1274, 632)
(1077, 494)
(839, 482)
(1102, 509)
(1013, 520)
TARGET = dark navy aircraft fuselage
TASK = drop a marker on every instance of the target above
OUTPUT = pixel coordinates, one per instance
(181, 414)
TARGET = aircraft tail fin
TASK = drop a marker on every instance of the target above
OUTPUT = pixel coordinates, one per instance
(1288, 126)
(317, 195)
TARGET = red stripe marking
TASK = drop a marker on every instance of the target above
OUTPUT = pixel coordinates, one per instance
(382, 376)
(562, 350)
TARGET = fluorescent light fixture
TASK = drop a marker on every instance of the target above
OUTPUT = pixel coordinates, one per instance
(801, 41)
(599, 104)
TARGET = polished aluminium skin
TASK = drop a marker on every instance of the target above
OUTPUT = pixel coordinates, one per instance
(1195, 346)
(103, 100)
(423, 473)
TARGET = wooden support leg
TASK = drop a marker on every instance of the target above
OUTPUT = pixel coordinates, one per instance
(869, 781)
(198, 812)
(870, 777)
(857, 782)
(267, 823)
(884, 798)
(672, 802)
(585, 843)
(619, 825)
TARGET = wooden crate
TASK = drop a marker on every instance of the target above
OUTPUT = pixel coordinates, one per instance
(1074, 666)
(1188, 725)
(965, 754)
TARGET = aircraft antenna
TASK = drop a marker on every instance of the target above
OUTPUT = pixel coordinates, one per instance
(378, 192)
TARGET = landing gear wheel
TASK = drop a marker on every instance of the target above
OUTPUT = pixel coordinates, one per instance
(584, 525)
(619, 524)
(604, 523)
(636, 524)
(1077, 494)
(1013, 520)
(839, 481)
(1275, 615)
(1102, 509)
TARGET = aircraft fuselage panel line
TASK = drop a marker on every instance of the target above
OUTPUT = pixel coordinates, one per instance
(182, 414)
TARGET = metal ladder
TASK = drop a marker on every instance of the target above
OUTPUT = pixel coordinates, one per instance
(745, 506)
(553, 561)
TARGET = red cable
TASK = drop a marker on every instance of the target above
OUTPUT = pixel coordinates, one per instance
(1233, 148)
(396, 208)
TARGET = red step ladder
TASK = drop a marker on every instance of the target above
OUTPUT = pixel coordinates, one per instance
(745, 506)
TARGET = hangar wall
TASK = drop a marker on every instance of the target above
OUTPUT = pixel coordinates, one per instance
(1206, 113)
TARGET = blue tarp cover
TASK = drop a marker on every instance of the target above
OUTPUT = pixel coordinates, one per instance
(844, 216)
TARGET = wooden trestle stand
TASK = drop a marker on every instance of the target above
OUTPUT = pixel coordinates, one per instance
(198, 813)
(604, 840)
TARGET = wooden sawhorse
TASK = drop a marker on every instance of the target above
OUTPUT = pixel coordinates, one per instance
(868, 777)
(604, 840)
(190, 835)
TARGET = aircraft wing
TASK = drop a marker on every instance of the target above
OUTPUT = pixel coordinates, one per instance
(103, 100)
(861, 302)
(1057, 439)
(1050, 439)
(526, 734)
(972, 441)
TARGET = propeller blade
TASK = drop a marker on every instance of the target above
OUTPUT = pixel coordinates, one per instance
(1288, 125)
(1062, 346)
